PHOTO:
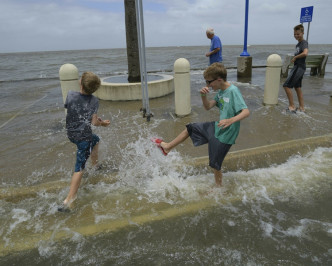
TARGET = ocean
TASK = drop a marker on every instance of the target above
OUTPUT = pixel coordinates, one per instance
(278, 215)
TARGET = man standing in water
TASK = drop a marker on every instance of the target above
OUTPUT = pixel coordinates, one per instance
(294, 79)
(219, 135)
(215, 53)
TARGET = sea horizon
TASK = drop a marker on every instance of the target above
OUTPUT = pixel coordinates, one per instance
(153, 47)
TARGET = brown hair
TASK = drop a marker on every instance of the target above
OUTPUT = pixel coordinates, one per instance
(216, 70)
(299, 27)
(90, 82)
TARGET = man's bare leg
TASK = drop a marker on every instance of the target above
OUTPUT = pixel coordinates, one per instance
(179, 139)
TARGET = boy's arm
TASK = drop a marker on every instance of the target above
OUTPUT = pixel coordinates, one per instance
(208, 104)
(97, 121)
(227, 122)
(301, 55)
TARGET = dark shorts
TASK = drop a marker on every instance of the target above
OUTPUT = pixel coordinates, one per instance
(202, 133)
(294, 79)
(84, 149)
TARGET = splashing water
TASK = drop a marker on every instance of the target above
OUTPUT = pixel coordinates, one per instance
(159, 206)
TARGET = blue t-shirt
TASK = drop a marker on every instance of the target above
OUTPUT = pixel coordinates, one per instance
(215, 43)
(230, 103)
(80, 108)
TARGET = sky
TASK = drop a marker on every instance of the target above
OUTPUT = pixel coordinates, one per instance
(52, 25)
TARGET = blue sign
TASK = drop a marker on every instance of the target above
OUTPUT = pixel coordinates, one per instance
(306, 14)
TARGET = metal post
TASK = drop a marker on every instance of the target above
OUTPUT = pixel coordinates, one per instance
(142, 57)
(308, 31)
(245, 53)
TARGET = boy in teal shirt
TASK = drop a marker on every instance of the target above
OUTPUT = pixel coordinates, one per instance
(220, 135)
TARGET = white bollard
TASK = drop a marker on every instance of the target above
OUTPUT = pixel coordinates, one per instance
(272, 79)
(68, 74)
(182, 87)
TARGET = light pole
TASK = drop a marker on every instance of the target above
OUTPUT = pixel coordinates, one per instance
(244, 61)
(245, 53)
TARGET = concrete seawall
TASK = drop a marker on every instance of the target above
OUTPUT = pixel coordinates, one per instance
(264, 156)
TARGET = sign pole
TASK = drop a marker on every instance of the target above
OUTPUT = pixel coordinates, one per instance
(306, 16)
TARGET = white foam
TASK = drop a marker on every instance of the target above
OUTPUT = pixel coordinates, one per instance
(46, 249)
(295, 231)
(231, 223)
(267, 228)
(162, 179)
(308, 225)
(20, 216)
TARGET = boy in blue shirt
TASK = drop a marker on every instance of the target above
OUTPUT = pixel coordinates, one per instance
(82, 110)
(219, 135)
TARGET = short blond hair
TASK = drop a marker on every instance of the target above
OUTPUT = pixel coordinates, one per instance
(216, 70)
(299, 27)
(90, 82)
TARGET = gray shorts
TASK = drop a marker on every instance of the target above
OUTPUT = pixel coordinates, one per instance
(294, 79)
(202, 133)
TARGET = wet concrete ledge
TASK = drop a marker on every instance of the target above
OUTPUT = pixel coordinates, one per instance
(265, 156)
(245, 160)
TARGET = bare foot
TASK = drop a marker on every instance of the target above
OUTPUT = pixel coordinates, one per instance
(164, 146)
(291, 110)
(69, 202)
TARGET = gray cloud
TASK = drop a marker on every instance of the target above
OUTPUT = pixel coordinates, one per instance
(36, 25)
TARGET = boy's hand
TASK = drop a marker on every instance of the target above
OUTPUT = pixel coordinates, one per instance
(204, 91)
(105, 123)
(225, 123)
(208, 104)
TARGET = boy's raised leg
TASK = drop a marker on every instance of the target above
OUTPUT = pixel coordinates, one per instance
(179, 139)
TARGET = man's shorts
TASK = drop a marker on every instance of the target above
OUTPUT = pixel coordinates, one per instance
(202, 133)
(84, 149)
(294, 79)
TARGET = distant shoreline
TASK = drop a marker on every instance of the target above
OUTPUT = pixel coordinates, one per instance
(160, 47)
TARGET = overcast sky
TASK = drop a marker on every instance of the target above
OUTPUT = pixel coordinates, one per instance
(48, 25)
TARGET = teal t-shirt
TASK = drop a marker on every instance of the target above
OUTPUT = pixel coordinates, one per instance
(230, 102)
